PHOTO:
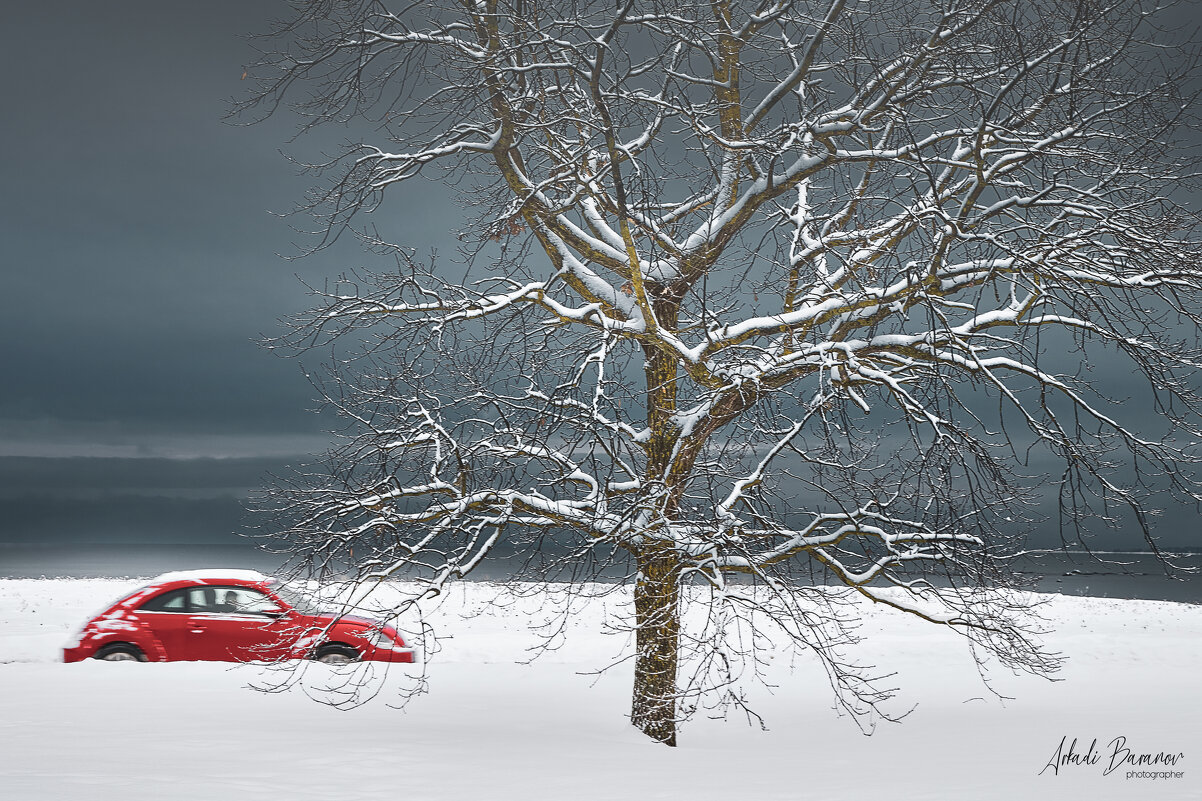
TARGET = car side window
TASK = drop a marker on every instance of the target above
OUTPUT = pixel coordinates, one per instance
(202, 600)
(175, 601)
(252, 602)
(230, 600)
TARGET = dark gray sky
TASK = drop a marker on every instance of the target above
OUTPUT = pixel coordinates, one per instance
(139, 264)
(138, 257)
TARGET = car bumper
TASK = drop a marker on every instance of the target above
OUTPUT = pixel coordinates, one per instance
(396, 654)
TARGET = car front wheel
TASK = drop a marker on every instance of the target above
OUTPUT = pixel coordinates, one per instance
(337, 655)
(120, 652)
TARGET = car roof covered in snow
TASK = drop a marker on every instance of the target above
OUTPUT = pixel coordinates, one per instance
(210, 574)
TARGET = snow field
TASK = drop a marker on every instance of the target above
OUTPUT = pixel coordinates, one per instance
(492, 727)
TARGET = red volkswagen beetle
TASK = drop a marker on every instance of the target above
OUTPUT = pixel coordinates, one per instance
(231, 616)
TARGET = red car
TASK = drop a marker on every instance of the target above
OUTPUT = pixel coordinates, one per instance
(231, 616)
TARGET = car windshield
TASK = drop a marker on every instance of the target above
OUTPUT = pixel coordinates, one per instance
(298, 599)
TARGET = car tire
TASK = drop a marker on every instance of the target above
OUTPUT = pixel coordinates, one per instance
(120, 652)
(336, 655)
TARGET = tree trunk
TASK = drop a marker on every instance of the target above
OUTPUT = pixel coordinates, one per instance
(657, 615)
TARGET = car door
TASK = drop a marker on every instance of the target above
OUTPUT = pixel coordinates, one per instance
(230, 623)
(168, 619)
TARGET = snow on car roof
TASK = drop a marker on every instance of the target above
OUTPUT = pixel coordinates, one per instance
(210, 574)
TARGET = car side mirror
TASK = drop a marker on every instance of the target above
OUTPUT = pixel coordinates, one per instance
(273, 612)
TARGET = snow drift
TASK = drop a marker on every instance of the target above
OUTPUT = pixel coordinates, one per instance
(495, 725)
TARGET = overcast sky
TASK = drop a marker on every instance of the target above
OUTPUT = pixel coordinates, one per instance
(139, 259)
(139, 264)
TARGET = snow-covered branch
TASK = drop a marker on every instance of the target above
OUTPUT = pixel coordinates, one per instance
(767, 291)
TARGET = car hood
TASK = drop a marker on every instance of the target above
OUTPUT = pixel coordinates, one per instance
(327, 620)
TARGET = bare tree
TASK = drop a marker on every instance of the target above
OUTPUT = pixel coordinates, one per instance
(749, 294)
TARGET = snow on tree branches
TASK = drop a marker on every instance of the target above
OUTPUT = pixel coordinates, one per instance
(751, 297)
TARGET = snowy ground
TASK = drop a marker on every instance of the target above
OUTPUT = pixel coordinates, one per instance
(494, 728)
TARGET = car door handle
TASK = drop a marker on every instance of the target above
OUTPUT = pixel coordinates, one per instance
(197, 629)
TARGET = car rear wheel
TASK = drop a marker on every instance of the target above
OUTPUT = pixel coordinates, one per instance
(121, 652)
(337, 655)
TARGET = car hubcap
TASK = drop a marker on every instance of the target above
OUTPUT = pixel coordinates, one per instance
(334, 659)
(119, 656)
